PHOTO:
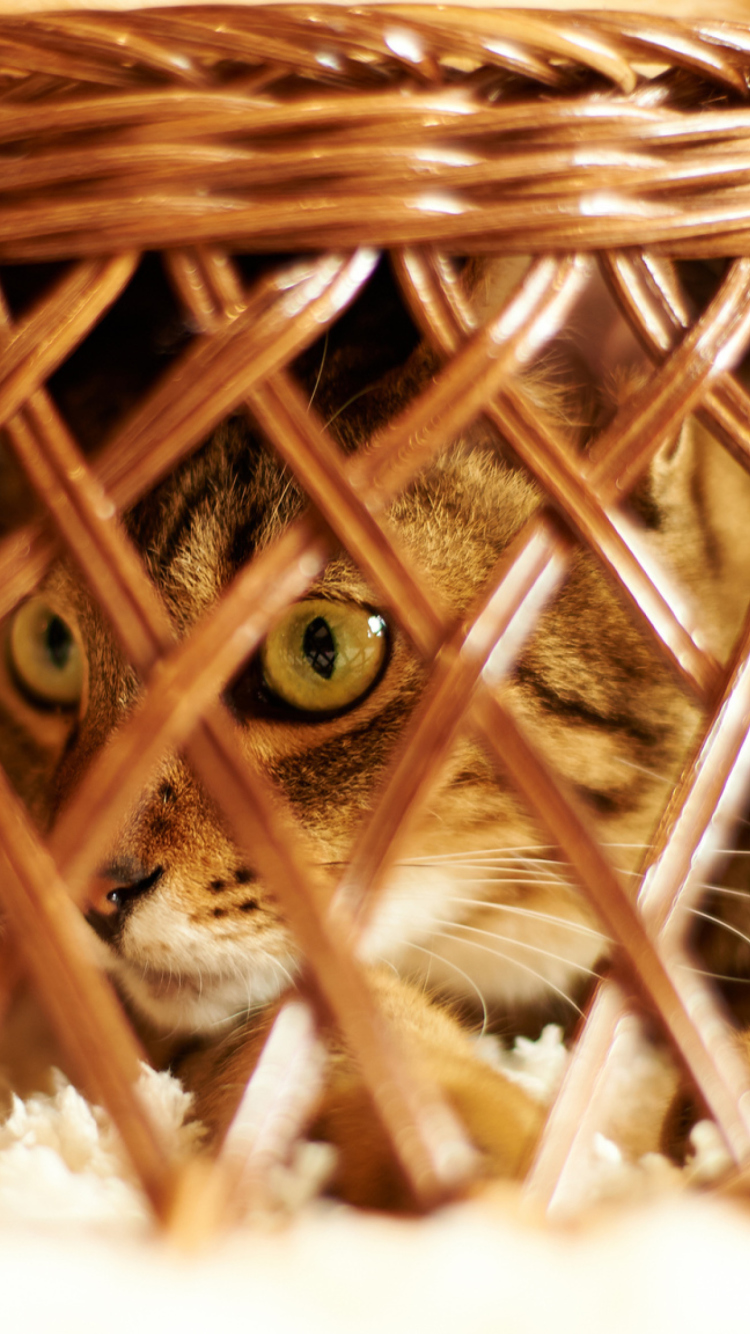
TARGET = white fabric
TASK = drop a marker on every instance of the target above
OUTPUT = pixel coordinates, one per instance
(78, 1250)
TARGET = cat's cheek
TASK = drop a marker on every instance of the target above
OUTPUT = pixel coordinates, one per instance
(412, 902)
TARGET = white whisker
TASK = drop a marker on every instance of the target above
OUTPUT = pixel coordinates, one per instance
(538, 916)
(515, 880)
(715, 977)
(709, 917)
(725, 889)
(526, 968)
(466, 976)
(520, 944)
(523, 850)
(641, 769)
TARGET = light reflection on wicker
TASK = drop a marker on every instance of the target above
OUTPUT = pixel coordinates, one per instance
(302, 129)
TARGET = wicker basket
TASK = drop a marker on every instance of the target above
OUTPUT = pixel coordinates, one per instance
(331, 133)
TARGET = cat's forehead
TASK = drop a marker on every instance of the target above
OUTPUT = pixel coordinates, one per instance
(234, 498)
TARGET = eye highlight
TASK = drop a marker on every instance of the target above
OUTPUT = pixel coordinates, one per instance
(44, 656)
(324, 656)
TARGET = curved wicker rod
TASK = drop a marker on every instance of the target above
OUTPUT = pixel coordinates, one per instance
(596, 40)
(505, 343)
(110, 170)
(351, 514)
(378, 476)
(56, 324)
(573, 1118)
(207, 285)
(31, 351)
(79, 1002)
(440, 113)
(640, 36)
(25, 557)
(668, 887)
(523, 425)
(283, 1073)
(116, 50)
(651, 414)
(86, 521)
(518, 422)
(288, 34)
(285, 313)
(706, 1047)
(121, 48)
(66, 61)
(659, 319)
(168, 424)
(481, 34)
(327, 52)
(733, 36)
(47, 230)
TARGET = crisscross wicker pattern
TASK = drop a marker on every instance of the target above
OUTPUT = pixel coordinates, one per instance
(204, 131)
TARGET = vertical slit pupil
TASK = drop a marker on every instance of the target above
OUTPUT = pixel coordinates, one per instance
(58, 639)
(319, 647)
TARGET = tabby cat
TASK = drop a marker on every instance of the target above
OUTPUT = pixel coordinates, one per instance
(479, 905)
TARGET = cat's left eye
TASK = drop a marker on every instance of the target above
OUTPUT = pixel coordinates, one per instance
(44, 655)
(324, 656)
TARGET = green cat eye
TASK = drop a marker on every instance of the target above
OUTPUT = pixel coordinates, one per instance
(44, 655)
(323, 656)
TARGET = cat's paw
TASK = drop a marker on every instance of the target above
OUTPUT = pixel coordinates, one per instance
(502, 1122)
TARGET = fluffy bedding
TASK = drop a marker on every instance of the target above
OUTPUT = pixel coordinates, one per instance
(78, 1250)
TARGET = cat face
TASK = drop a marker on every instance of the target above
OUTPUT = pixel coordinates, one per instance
(478, 901)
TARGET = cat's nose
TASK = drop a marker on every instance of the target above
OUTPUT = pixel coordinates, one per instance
(119, 884)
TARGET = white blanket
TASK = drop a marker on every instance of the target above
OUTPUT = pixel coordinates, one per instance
(78, 1250)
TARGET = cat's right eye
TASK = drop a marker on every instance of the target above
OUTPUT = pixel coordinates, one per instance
(44, 656)
(324, 656)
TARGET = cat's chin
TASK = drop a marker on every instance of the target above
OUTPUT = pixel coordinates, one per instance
(202, 1003)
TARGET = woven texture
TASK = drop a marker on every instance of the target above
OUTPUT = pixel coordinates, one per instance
(434, 133)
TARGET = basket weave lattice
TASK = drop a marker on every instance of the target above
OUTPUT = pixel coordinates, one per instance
(331, 133)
